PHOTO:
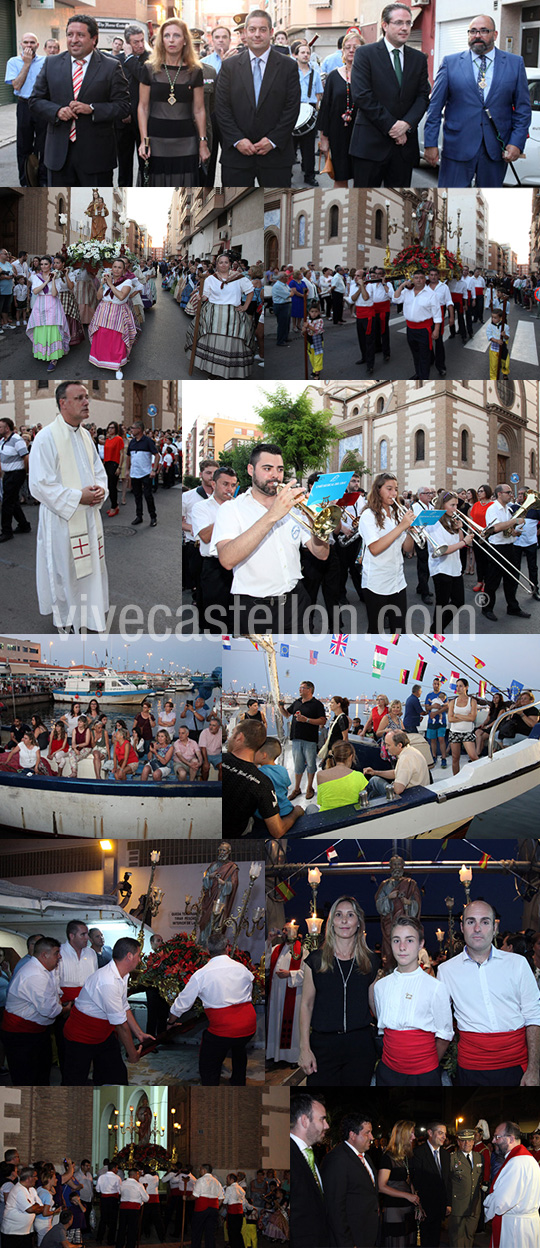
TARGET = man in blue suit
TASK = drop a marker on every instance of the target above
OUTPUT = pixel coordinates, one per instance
(467, 86)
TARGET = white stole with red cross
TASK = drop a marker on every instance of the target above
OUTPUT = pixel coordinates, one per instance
(71, 478)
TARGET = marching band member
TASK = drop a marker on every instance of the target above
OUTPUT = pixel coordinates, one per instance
(385, 538)
(348, 540)
(32, 1005)
(445, 569)
(422, 313)
(413, 1014)
(423, 503)
(225, 988)
(255, 535)
(442, 293)
(496, 1006)
(101, 1019)
(500, 520)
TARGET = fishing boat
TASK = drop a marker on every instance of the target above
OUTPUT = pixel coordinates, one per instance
(97, 809)
(182, 683)
(109, 687)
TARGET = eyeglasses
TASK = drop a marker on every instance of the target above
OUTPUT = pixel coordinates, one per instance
(482, 30)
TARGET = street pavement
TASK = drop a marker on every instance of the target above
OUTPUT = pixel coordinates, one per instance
(424, 176)
(469, 362)
(421, 614)
(143, 566)
(158, 353)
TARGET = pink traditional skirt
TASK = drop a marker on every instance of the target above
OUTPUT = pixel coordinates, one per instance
(112, 332)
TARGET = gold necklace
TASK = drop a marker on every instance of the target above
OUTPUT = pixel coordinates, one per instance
(171, 98)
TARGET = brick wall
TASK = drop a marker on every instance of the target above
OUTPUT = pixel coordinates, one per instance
(226, 1128)
(49, 1124)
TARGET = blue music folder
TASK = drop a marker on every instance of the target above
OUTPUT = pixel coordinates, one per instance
(427, 517)
(331, 485)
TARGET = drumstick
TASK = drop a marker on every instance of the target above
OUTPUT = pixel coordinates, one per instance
(305, 338)
(196, 326)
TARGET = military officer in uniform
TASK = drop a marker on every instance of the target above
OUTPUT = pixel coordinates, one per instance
(466, 1174)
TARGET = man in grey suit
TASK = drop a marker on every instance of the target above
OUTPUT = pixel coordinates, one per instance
(466, 1173)
(80, 95)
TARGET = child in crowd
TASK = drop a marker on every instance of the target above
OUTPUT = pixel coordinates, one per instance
(20, 295)
(498, 342)
(314, 328)
(266, 760)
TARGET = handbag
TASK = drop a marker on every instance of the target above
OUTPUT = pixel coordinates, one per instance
(328, 166)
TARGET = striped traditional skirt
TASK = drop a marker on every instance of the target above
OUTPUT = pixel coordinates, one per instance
(48, 329)
(73, 317)
(112, 332)
(225, 342)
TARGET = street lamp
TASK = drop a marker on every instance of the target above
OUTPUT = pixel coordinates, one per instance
(391, 228)
(456, 234)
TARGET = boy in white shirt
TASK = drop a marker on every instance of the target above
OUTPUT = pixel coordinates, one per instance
(413, 1016)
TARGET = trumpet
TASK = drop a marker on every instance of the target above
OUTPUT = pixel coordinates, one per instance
(321, 523)
(532, 500)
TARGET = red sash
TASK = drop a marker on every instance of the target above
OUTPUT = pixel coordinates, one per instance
(13, 1022)
(235, 1209)
(85, 1029)
(518, 1151)
(383, 309)
(457, 297)
(422, 325)
(70, 994)
(366, 314)
(479, 290)
(153, 1199)
(492, 1050)
(232, 1020)
(205, 1202)
(129, 1204)
(109, 1195)
(410, 1052)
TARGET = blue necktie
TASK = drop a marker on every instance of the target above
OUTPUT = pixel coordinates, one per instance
(257, 78)
(482, 75)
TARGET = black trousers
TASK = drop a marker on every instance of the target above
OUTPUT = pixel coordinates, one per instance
(388, 1078)
(11, 507)
(157, 1012)
(479, 309)
(396, 170)
(140, 486)
(107, 1219)
(105, 1058)
(128, 1227)
(29, 1057)
(234, 1227)
(495, 573)
(449, 596)
(325, 574)
(152, 1216)
(347, 556)
(112, 481)
(469, 318)
(212, 1054)
(215, 584)
(481, 559)
(393, 611)
(438, 355)
(418, 340)
(191, 565)
(203, 1227)
(30, 141)
(382, 336)
(343, 1058)
(306, 144)
(127, 142)
(366, 341)
(531, 555)
(173, 1209)
(422, 571)
(458, 313)
(74, 173)
(285, 610)
(507, 1077)
(258, 170)
(337, 307)
(430, 1232)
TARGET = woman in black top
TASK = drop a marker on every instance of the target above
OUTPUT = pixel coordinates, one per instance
(340, 1050)
(171, 113)
(496, 708)
(253, 712)
(399, 1197)
(40, 732)
(339, 727)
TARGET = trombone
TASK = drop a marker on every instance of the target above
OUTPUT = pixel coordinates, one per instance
(532, 500)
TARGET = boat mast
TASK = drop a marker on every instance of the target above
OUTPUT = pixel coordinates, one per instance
(266, 643)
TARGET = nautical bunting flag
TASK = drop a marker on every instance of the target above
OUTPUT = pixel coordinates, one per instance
(353, 662)
(439, 638)
(395, 639)
(338, 644)
(284, 651)
(226, 641)
(482, 685)
(313, 656)
(419, 668)
(478, 662)
(452, 686)
(255, 644)
(484, 861)
(379, 660)
(331, 854)
(443, 679)
(515, 689)
(404, 676)
(285, 891)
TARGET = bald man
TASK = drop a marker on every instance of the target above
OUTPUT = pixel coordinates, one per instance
(21, 74)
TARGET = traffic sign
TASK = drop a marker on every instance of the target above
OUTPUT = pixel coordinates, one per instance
(514, 478)
(151, 409)
(537, 294)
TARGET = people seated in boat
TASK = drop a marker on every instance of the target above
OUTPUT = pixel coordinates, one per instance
(136, 740)
(125, 758)
(339, 784)
(167, 718)
(210, 744)
(524, 719)
(26, 756)
(101, 748)
(71, 717)
(496, 707)
(81, 746)
(248, 789)
(17, 731)
(58, 751)
(266, 760)
(146, 723)
(159, 756)
(409, 770)
(93, 712)
(375, 715)
(40, 732)
(187, 757)
(356, 726)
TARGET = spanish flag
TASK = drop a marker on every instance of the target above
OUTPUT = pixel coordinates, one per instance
(478, 662)
(484, 861)
(285, 891)
(482, 685)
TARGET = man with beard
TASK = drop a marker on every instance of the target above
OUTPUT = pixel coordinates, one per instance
(256, 537)
(469, 86)
(514, 1197)
(309, 1226)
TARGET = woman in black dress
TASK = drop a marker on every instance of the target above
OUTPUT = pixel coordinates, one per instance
(171, 114)
(337, 1045)
(337, 112)
(399, 1198)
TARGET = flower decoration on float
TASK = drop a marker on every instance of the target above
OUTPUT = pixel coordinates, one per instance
(171, 967)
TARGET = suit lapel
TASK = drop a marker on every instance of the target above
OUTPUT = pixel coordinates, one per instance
(90, 76)
(246, 77)
(469, 69)
(66, 75)
(498, 69)
(270, 74)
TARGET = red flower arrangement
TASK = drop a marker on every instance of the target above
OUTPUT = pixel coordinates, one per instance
(149, 1156)
(172, 967)
(415, 256)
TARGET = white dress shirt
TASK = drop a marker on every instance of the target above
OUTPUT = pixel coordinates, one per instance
(73, 971)
(382, 574)
(303, 1146)
(500, 994)
(34, 995)
(87, 1185)
(362, 1157)
(176, 1181)
(204, 513)
(391, 49)
(379, 294)
(189, 499)
(235, 1195)
(361, 302)
(16, 1219)
(209, 1187)
(85, 59)
(109, 1184)
(151, 1183)
(221, 983)
(274, 567)
(104, 995)
(495, 514)
(421, 306)
(132, 1191)
(409, 1002)
(471, 286)
(442, 293)
(458, 285)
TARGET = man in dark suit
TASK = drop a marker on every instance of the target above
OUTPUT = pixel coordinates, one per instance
(390, 88)
(127, 130)
(80, 95)
(257, 105)
(309, 1226)
(350, 1184)
(430, 1175)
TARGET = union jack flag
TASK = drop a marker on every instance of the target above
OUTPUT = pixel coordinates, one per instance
(338, 644)
(353, 662)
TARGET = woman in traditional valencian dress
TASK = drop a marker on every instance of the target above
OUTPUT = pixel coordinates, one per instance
(65, 287)
(112, 329)
(225, 334)
(47, 327)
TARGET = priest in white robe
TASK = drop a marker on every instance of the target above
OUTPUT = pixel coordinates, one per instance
(514, 1199)
(68, 479)
(285, 994)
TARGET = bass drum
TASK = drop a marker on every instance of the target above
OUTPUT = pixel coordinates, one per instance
(306, 120)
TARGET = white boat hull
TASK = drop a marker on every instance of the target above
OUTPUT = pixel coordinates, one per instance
(131, 698)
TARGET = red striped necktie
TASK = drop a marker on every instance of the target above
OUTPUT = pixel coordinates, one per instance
(78, 70)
